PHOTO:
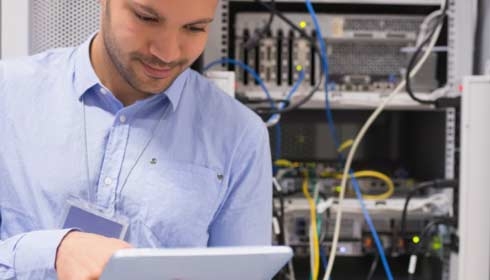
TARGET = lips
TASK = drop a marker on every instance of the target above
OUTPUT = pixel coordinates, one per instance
(156, 73)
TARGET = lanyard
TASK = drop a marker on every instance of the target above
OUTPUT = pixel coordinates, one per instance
(91, 195)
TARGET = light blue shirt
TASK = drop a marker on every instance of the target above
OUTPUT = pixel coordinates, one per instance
(188, 167)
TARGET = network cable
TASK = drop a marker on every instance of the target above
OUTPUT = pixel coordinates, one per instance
(261, 83)
(440, 15)
(274, 119)
(247, 68)
(360, 136)
(313, 227)
(306, 98)
(324, 61)
(278, 13)
(439, 184)
(253, 41)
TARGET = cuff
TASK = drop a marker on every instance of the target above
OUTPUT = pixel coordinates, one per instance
(37, 250)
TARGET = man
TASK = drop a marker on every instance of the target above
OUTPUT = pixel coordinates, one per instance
(119, 131)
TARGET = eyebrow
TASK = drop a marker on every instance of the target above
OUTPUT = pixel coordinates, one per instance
(154, 13)
(146, 9)
(200, 21)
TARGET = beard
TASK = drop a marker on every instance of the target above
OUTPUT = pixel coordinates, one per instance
(126, 64)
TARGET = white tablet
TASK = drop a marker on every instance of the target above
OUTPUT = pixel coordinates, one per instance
(247, 263)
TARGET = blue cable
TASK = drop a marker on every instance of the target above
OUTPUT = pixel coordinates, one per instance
(323, 257)
(324, 61)
(278, 144)
(379, 246)
(295, 87)
(246, 68)
(333, 132)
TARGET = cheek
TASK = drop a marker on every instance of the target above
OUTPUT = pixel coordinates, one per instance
(193, 47)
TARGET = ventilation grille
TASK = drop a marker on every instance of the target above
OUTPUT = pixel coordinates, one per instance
(384, 24)
(61, 23)
(366, 58)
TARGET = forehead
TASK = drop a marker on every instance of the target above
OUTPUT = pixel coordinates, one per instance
(178, 9)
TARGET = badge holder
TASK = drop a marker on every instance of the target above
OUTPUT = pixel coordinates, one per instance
(88, 218)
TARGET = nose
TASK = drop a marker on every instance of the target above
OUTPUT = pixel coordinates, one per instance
(166, 47)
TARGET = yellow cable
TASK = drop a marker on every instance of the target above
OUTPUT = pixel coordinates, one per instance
(346, 144)
(316, 253)
(283, 163)
(378, 175)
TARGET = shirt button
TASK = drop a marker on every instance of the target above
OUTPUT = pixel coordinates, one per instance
(103, 90)
(122, 118)
(107, 181)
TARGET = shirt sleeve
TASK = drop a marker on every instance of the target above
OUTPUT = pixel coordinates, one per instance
(245, 217)
(35, 251)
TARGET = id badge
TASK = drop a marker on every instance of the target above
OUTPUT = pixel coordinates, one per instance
(87, 218)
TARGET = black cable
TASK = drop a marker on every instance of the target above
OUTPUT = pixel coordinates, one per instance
(374, 264)
(247, 100)
(413, 59)
(294, 105)
(313, 43)
(278, 13)
(439, 184)
(253, 41)
(280, 215)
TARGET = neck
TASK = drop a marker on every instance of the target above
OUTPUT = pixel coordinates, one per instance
(109, 76)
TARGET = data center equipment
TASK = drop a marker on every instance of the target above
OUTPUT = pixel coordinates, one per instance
(360, 36)
(368, 47)
(365, 51)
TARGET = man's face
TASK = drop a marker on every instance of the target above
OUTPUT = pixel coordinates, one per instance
(150, 42)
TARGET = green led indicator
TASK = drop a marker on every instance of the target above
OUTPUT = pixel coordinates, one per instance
(436, 244)
(415, 239)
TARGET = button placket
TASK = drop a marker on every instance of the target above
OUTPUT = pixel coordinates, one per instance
(111, 167)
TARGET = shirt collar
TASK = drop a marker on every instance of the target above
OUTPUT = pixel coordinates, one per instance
(85, 77)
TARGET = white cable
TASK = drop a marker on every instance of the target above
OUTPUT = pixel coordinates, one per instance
(425, 26)
(358, 139)
(276, 184)
(275, 226)
(281, 173)
(273, 120)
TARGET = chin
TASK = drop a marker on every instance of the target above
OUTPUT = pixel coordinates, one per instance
(156, 89)
(156, 86)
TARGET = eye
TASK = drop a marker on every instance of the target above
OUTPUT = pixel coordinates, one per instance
(195, 29)
(145, 18)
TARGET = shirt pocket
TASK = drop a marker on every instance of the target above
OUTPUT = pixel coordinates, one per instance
(176, 201)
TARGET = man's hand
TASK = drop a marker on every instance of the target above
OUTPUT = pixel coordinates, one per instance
(84, 255)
